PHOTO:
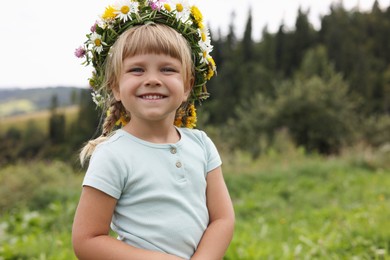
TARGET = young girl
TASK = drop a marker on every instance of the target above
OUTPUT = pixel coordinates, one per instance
(154, 181)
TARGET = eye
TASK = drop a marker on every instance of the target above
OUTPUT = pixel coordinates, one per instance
(135, 70)
(168, 69)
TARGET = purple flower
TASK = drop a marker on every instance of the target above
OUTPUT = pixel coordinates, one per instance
(93, 27)
(154, 6)
(80, 52)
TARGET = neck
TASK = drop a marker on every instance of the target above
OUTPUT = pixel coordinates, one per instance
(154, 132)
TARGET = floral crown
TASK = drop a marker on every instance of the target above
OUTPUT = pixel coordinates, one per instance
(179, 15)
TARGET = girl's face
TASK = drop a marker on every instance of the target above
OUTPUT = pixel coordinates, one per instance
(151, 87)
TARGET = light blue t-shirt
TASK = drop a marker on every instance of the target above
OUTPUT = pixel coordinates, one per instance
(160, 188)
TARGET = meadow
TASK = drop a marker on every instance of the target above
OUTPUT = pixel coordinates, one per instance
(288, 205)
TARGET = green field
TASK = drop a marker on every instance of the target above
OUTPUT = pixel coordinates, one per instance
(39, 118)
(288, 206)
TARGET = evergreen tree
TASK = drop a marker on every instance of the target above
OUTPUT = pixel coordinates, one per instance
(247, 42)
(267, 51)
(86, 126)
(56, 123)
(302, 38)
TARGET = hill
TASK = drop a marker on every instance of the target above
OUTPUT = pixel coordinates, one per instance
(16, 101)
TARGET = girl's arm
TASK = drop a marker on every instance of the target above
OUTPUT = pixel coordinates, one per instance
(90, 235)
(219, 233)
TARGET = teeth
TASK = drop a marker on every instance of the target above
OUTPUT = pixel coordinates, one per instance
(152, 97)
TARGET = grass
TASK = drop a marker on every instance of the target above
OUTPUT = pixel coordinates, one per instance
(40, 119)
(288, 206)
(16, 106)
(310, 208)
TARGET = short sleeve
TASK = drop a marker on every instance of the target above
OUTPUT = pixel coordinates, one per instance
(212, 156)
(105, 172)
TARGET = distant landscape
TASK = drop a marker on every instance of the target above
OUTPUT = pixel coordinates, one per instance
(17, 101)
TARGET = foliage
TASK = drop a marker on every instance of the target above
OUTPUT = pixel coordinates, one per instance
(319, 115)
(37, 205)
(319, 85)
(35, 184)
(288, 205)
(57, 134)
(315, 108)
(294, 92)
(301, 207)
(355, 43)
(376, 130)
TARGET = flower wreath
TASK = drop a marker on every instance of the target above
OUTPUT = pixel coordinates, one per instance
(180, 15)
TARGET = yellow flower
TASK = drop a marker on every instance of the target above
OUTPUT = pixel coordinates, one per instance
(98, 42)
(192, 110)
(167, 7)
(191, 119)
(125, 9)
(204, 36)
(211, 61)
(197, 15)
(109, 13)
(210, 74)
(178, 121)
(191, 122)
(212, 68)
(179, 7)
(121, 121)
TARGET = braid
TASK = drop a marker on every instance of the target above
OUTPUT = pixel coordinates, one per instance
(113, 115)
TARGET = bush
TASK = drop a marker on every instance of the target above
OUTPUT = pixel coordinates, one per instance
(318, 115)
(35, 185)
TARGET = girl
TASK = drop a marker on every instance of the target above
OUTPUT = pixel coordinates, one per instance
(158, 186)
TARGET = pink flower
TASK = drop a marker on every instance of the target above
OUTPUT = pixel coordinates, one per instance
(157, 4)
(80, 52)
(154, 6)
(93, 27)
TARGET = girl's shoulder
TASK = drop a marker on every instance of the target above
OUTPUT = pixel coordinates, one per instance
(112, 141)
(196, 135)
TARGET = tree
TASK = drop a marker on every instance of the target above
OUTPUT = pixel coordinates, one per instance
(86, 126)
(315, 107)
(302, 38)
(247, 42)
(57, 123)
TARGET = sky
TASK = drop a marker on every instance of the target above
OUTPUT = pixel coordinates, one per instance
(38, 38)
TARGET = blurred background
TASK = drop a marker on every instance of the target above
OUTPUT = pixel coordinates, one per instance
(299, 110)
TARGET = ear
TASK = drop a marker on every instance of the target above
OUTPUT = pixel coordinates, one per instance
(188, 88)
(117, 93)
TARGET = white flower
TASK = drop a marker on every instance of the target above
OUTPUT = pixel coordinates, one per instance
(205, 45)
(205, 40)
(125, 8)
(204, 57)
(96, 40)
(97, 98)
(183, 10)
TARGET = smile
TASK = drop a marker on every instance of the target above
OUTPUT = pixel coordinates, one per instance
(152, 97)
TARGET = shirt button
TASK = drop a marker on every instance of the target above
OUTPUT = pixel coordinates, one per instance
(178, 164)
(173, 150)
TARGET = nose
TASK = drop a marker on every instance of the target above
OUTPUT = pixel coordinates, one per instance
(152, 80)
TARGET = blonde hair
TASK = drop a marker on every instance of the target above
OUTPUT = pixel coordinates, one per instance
(142, 39)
